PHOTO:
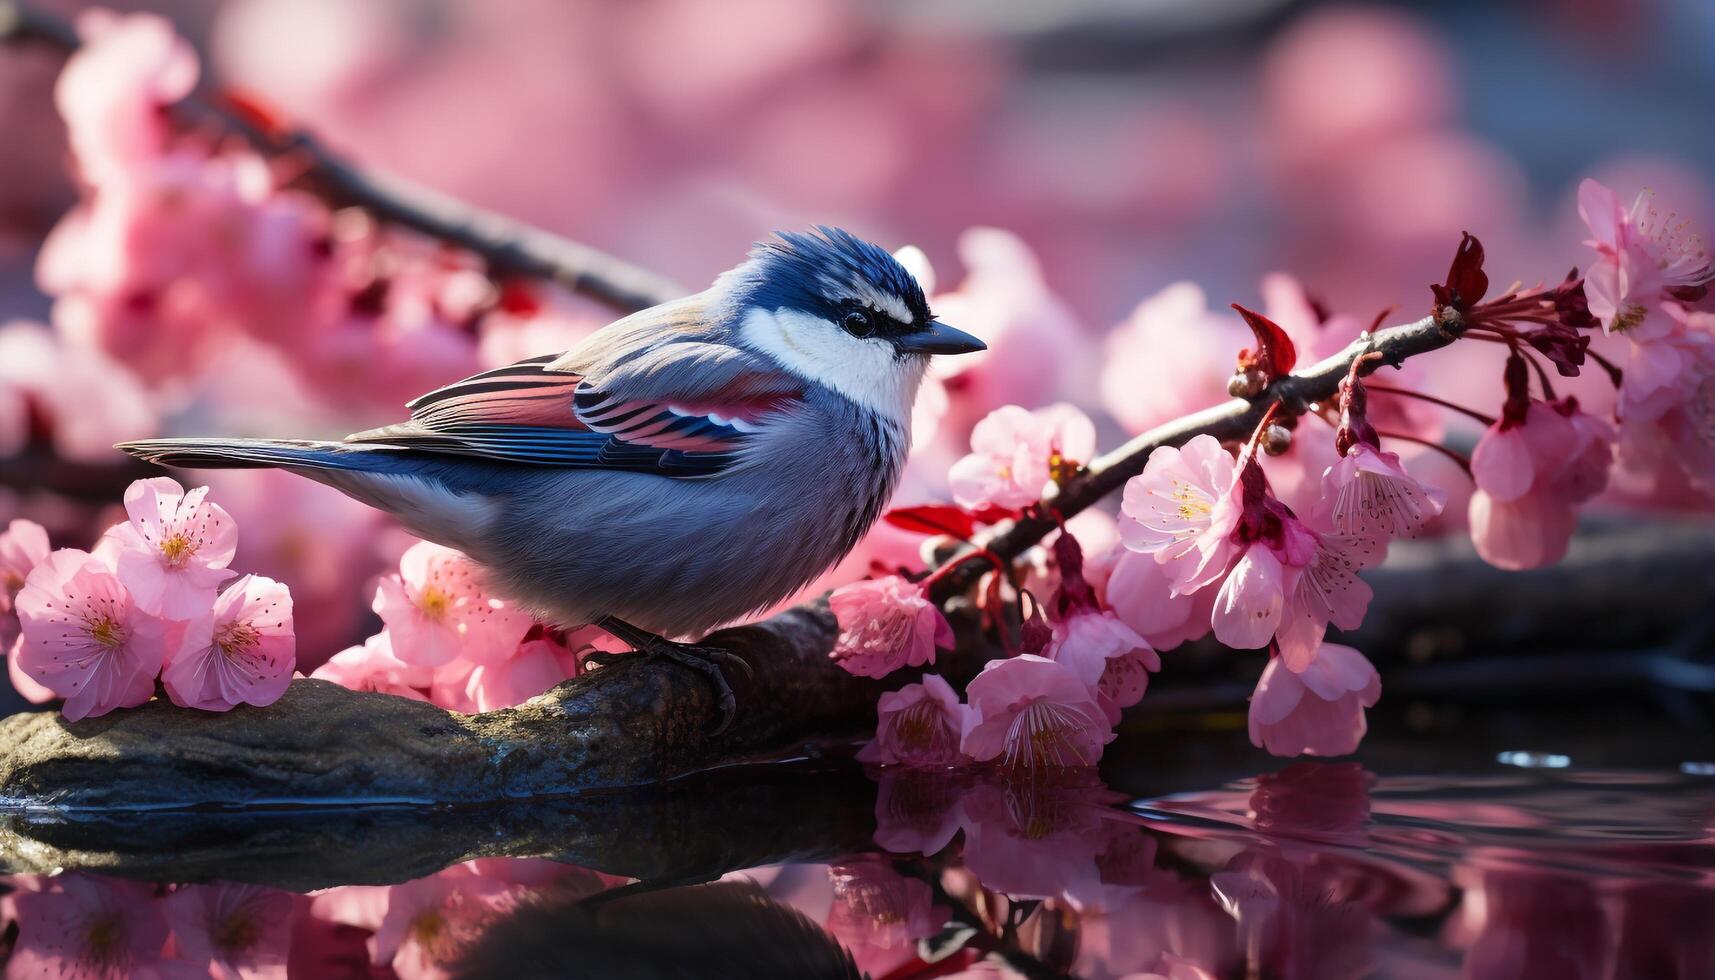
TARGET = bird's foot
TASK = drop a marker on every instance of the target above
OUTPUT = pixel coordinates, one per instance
(705, 660)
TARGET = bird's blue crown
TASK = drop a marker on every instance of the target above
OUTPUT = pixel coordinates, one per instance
(824, 271)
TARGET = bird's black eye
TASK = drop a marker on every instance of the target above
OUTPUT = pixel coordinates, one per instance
(858, 323)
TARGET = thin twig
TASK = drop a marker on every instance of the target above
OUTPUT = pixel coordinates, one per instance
(1231, 421)
(1433, 400)
(506, 246)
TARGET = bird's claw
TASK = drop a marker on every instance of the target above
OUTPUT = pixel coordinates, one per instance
(706, 661)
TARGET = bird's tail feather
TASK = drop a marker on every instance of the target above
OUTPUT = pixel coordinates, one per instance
(227, 454)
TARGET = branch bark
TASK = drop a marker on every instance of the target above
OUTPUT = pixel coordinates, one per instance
(508, 247)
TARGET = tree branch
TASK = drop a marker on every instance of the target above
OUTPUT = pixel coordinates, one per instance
(1233, 420)
(506, 246)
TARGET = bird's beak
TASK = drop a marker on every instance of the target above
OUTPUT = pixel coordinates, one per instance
(938, 338)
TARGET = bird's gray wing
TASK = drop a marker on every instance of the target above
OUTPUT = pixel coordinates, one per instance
(678, 406)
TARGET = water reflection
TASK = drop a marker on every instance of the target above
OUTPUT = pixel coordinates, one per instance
(1319, 870)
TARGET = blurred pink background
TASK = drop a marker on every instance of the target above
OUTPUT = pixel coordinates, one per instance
(1129, 146)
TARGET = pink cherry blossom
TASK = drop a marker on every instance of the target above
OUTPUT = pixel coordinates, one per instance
(114, 87)
(22, 546)
(1317, 712)
(1530, 476)
(437, 609)
(1513, 457)
(885, 624)
(87, 400)
(1016, 454)
(1036, 346)
(1528, 531)
(1640, 254)
(1665, 397)
(917, 725)
(1173, 511)
(173, 552)
(1141, 595)
(27, 687)
(536, 667)
(1667, 363)
(76, 925)
(372, 666)
(1327, 591)
(85, 638)
(233, 931)
(1106, 654)
(250, 652)
(1031, 712)
(1273, 547)
(1367, 492)
(1252, 598)
(449, 687)
(1141, 385)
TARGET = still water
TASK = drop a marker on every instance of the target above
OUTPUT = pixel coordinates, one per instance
(1523, 863)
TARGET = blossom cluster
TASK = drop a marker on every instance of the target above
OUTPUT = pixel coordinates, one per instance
(188, 252)
(1055, 703)
(1209, 545)
(97, 628)
(196, 284)
(446, 639)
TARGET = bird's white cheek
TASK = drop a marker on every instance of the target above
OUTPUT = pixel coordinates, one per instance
(866, 371)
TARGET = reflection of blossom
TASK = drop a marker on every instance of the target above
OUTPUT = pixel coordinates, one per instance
(421, 926)
(77, 925)
(234, 931)
(1299, 919)
(917, 812)
(1316, 800)
(1032, 839)
(1171, 925)
(879, 913)
(1532, 922)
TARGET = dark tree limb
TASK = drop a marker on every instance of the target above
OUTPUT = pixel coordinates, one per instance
(506, 246)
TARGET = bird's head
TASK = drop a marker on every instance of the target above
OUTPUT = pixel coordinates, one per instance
(838, 311)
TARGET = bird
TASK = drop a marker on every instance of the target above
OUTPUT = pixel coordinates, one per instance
(682, 468)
